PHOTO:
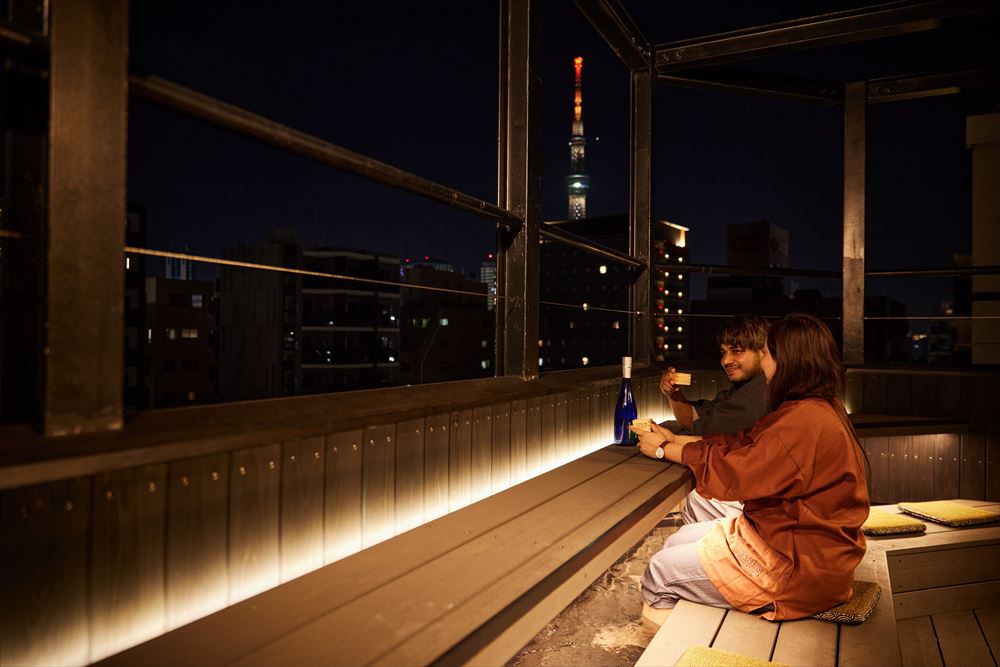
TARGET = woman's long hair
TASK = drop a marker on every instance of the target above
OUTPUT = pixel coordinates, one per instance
(809, 365)
(808, 362)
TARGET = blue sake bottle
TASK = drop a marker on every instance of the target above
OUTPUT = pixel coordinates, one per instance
(625, 410)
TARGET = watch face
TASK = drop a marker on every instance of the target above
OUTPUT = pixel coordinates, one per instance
(659, 452)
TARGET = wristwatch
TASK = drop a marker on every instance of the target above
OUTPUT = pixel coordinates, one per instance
(660, 453)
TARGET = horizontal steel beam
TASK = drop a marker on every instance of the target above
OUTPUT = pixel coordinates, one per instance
(896, 89)
(856, 25)
(748, 270)
(758, 85)
(567, 238)
(230, 117)
(618, 29)
(827, 93)
(956, 272)
(776, 272)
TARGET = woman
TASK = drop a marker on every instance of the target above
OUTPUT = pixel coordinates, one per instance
(801, 473)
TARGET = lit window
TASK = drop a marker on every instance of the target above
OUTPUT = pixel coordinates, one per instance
(666, 274)
(572, 324)
(392, 358)
(540, 342)
(666, 256)
(149, 335)
(483, 343)
(171, 334)
(392, 318)
(128, 262)
(680, 329)
(680, 346)
(189, 333)
(602, 269)
(616, 325)
(586, 307)
(680, 276)
(540, 361)
(680, 294)
(680, 260)
(191, 395)
(485, 364)
(444, 321)
(680, 312)
(197, 300)
(666, 292)
(585, 361)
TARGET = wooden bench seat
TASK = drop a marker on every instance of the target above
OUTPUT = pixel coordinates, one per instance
(801, 642)
(472, 586)
(942, 571)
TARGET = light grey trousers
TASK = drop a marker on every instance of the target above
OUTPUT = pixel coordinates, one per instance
(676, 572)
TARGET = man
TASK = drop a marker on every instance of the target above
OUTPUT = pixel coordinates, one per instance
(741, 343)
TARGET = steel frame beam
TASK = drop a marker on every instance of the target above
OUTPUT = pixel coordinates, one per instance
(896, 89)
(88, 99)
(230, 117)
(845, 27)
(614, 24)
(519, 189)
(759, 85)
(640, 213)
(853, 284)
(558, 235)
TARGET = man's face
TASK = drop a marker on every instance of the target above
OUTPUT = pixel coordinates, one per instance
(740, 364)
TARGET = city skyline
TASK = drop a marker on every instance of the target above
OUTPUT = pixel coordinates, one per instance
(724, 159)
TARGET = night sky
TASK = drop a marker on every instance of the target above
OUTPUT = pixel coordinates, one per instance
(415, 85)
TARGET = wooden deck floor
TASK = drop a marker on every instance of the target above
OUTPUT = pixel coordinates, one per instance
(967, 638)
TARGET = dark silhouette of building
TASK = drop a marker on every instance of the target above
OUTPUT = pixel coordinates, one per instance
(284, 334)
(446, 335)
(759, 245)
(260, 317)
(181, 337)
(134, 381)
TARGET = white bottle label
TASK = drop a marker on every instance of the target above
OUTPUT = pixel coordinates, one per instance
(627, 367)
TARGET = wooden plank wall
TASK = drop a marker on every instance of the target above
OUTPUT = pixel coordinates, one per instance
(93, 565)
(914, 468)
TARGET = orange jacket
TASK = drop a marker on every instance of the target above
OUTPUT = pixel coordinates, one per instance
(802, 479)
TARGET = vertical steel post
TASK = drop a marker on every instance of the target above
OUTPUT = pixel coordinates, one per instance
(853, 288)
(88, 96)
(640, 212)
(519, 189)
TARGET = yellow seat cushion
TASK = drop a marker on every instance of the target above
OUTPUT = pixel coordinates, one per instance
(949, 513)
(864, 597)
(702, 656)
(880, 522)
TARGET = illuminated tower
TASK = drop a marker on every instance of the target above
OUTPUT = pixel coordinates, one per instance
(577, 182)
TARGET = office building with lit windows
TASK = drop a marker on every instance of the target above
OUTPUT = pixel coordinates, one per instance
(180, 337)
(584, 311)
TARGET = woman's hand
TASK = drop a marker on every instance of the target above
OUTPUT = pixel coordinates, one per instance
(649, 442)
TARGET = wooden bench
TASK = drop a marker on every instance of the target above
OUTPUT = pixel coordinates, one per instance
(945, 570)
(471, 587)
(946, 592)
